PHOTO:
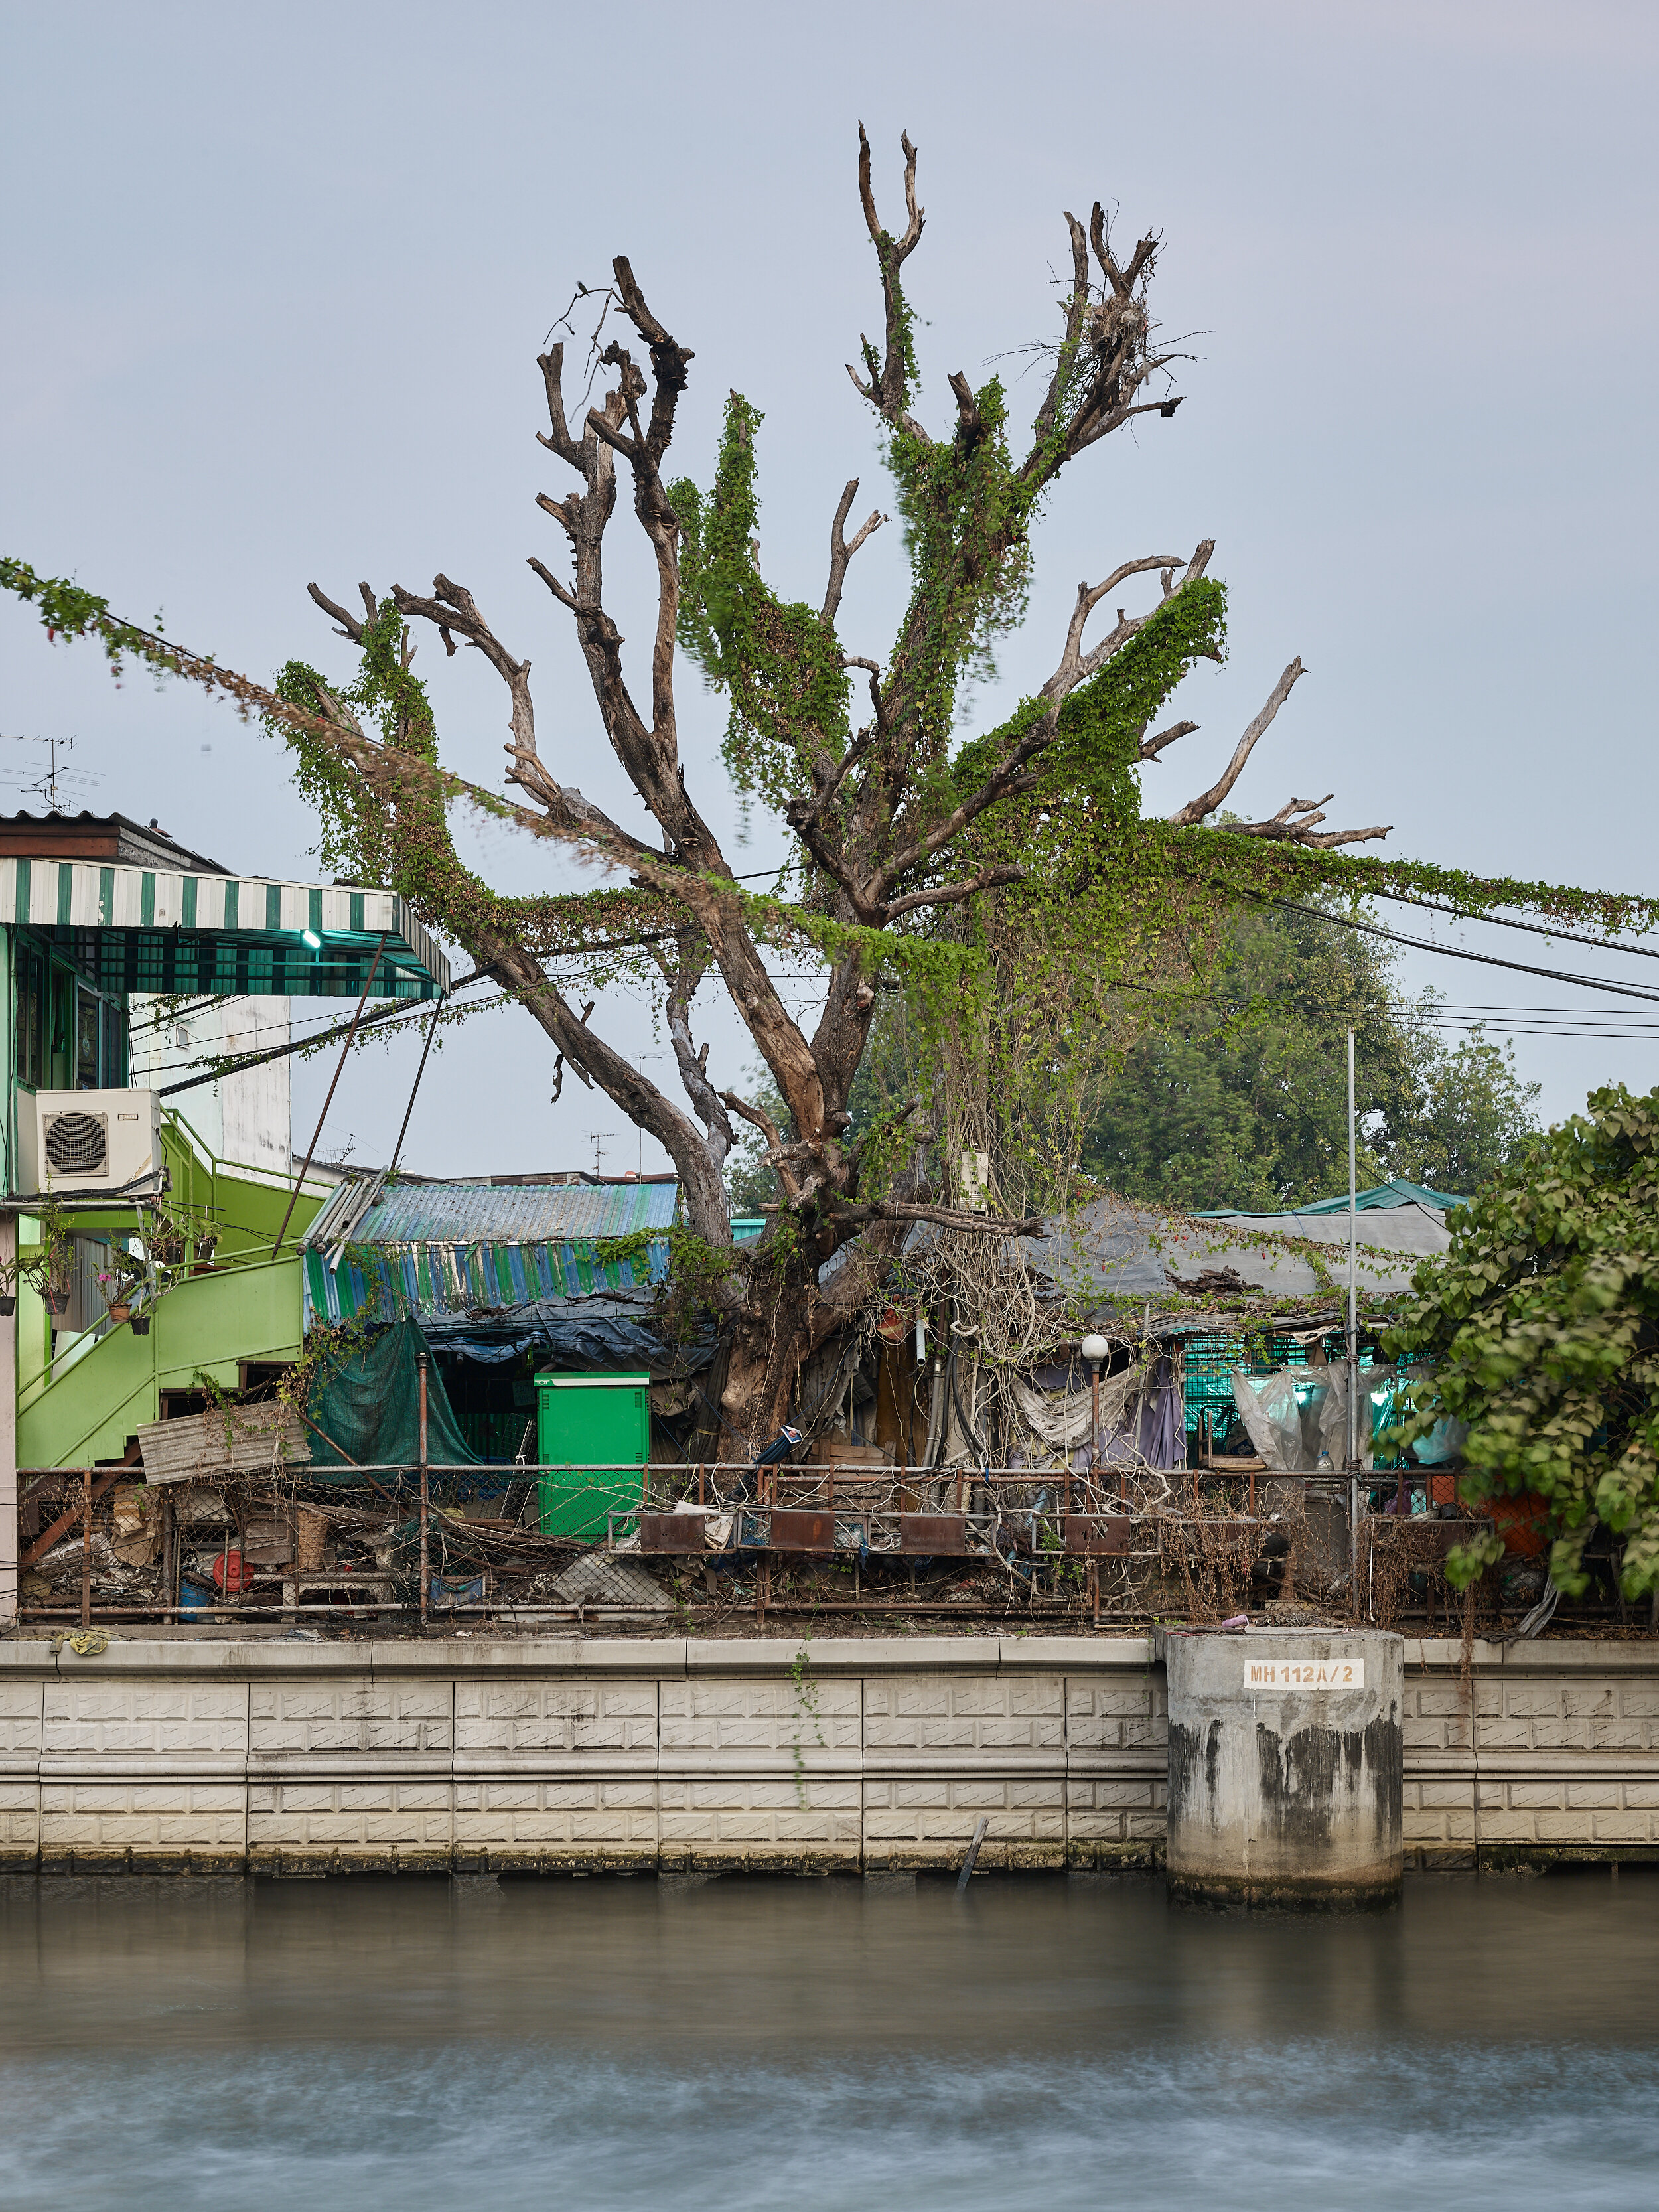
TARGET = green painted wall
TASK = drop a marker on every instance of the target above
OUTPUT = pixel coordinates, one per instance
(248, 1204)
(84, 1405)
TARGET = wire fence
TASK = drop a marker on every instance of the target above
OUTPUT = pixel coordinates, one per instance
(401, 1545)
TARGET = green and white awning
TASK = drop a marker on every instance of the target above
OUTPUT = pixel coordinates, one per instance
(225, 935)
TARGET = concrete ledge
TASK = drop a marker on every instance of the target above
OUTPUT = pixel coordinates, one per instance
(614, 1755)
(662, 1657)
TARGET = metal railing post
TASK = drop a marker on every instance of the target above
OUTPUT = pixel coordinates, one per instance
(426, 1577)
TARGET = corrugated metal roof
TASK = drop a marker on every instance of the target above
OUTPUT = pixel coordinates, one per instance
(473, 1213)
(449, 1249)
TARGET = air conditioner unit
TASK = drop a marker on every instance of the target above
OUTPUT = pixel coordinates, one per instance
(90, 1140)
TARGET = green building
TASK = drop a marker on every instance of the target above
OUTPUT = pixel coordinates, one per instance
(111, 931)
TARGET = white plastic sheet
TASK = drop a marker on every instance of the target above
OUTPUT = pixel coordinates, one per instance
(1299, 1412)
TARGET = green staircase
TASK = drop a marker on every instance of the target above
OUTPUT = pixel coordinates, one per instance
(81, 1405)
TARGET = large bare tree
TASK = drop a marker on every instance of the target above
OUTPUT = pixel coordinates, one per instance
(901, 831)
(884, 816)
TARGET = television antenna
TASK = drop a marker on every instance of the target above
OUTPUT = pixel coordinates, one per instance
(53, 784)
(639, 1060)
(597, 1138)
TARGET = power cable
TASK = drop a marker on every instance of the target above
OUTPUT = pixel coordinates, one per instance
(1508, 921)
(1450, 951)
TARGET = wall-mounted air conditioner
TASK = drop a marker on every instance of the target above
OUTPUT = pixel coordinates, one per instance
(88, 1141)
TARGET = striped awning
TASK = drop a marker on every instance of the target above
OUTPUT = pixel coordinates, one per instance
(246, 935)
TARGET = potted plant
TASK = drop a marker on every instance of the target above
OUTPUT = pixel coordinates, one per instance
(166, 1243)
(7, 1287)
(118, 1283)
(48, 1271)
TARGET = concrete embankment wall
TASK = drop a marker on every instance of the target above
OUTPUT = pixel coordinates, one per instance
(611, 1754)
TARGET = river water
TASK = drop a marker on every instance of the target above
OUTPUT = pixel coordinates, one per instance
(1042, 2043)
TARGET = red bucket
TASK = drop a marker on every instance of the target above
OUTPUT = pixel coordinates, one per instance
(232, 1573)
(1523, 1523)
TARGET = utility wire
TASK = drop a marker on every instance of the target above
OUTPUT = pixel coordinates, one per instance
(1451, 951)
(1508, 921)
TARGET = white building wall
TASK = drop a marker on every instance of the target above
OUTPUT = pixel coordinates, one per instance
(246, 1118)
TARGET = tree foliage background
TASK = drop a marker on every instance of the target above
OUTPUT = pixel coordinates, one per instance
(1236, 1094)
(1242, 1099)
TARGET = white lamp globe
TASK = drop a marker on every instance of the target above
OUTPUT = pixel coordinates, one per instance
(1095, 1349)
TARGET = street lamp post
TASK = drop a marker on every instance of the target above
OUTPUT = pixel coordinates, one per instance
(1095, 1349)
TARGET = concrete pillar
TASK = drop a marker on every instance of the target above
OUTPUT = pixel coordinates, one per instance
(8, 1437)
(1284, 1767)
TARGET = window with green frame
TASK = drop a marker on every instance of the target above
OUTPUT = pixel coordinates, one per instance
(31, 1020)
(68, 1036)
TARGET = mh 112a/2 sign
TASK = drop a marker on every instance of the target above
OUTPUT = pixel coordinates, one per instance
(1305, 1673)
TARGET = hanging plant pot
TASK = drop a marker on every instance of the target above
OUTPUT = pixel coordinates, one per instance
(141, 1324)
(8, 1303)
(55, 1302)
(120, 1312)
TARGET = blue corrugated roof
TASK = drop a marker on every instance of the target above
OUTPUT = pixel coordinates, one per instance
(450, 1249)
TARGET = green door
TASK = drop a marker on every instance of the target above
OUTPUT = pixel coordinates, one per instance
(585, 1422)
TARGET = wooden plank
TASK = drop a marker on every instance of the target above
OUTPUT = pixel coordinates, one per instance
(230, 1440)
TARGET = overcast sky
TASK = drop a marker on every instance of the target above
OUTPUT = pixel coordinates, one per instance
(274, 282)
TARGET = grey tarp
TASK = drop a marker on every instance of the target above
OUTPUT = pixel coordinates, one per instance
(608, 1331)
(1113, 1248)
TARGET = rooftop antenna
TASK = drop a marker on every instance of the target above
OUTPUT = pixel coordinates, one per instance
(597, 1138)
(639, 1060)
(53, 786)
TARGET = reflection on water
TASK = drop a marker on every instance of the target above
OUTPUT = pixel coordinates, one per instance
(823, 2045)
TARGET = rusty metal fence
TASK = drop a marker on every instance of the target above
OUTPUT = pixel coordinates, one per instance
(403, 1543)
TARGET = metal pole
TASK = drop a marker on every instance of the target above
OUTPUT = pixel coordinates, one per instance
(1353, 1336)
(432, 1031)
(425, 1579)
(11, 1545)
(86, 1547)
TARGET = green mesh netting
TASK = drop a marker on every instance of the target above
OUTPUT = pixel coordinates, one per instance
(367, 1410)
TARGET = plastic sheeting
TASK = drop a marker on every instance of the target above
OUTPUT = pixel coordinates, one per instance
(1062, 1418)
(1294, 1416)
(601, 1332)
(1142, 1418)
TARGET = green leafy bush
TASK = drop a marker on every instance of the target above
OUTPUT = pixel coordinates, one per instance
(1540, 1326)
